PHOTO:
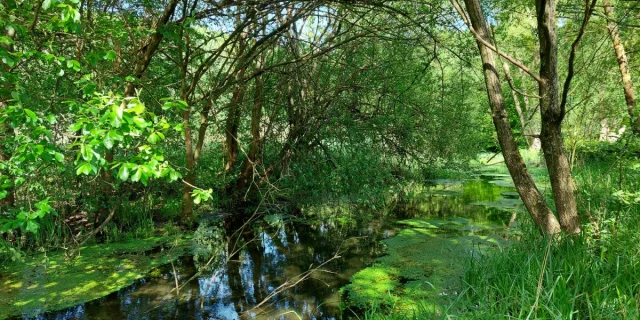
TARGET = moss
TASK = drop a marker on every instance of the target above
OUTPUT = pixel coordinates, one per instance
(49, 282)
(423, 265)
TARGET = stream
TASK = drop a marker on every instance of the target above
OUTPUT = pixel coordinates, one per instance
(280, 250)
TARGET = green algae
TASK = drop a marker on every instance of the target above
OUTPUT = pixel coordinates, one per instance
(423, 265)
(50, 282)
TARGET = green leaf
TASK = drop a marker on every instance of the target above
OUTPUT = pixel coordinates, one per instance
(59, 157)
(174, 175)
(86, 152)
(84, 168)
(39, 149)
(32, 226)
(182, 105)
(108, 142)
(136, 107)
(73, 64)
(43, 208)
(46, 4)
(115, 135)
(123, 173)
(32, 115)
(136, 176)
(110, 55)
(76, 126)
(140, 122)
(153, 138)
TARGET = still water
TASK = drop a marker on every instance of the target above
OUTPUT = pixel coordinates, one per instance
(253, 281)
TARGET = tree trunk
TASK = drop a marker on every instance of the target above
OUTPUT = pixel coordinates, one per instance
(531, 196)
(552, 114)
(623, 65)
(192, 155)
(251, 161)
(186, 212)
(516, 102)
(233, 116)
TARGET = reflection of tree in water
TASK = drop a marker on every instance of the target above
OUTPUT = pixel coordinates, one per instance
(445, 201)
(238, 269)
(263, 258)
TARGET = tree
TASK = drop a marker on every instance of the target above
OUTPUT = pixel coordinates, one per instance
(623, 65)
(531, 196)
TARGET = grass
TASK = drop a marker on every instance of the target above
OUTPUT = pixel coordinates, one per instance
(595, 275)
(550, 279)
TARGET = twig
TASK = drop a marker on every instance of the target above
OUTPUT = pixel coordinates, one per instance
(175, 278)
(588, 10)
(293, 282)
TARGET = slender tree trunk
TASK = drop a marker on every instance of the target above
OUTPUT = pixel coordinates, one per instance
(516, 102)
(552, 114)
(531, 196)
(623, 65)
(533, 133)
(248, 168)
(192, 155)
(233, 116)
(186, 213)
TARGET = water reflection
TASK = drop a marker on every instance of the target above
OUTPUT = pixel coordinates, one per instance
(234, 272)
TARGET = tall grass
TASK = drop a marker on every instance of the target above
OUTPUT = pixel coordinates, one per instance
(595, 275)
(550, 279)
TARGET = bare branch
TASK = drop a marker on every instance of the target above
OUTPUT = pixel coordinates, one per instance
(588, 11)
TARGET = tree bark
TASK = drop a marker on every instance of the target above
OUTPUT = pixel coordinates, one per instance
(516, 102)
(552, 114)
(233, 117)
(623, 65)
(531, 196)
(249, 165)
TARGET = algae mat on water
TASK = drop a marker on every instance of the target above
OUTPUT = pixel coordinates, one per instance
(423, 266)
(51, 282)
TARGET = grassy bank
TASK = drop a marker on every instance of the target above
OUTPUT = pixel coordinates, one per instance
(595, 275)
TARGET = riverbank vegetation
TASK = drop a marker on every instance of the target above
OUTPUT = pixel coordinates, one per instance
(122, 121)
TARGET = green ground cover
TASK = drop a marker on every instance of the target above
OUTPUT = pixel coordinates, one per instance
(51, 281)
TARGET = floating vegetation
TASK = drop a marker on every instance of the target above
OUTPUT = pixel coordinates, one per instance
(50, 281)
